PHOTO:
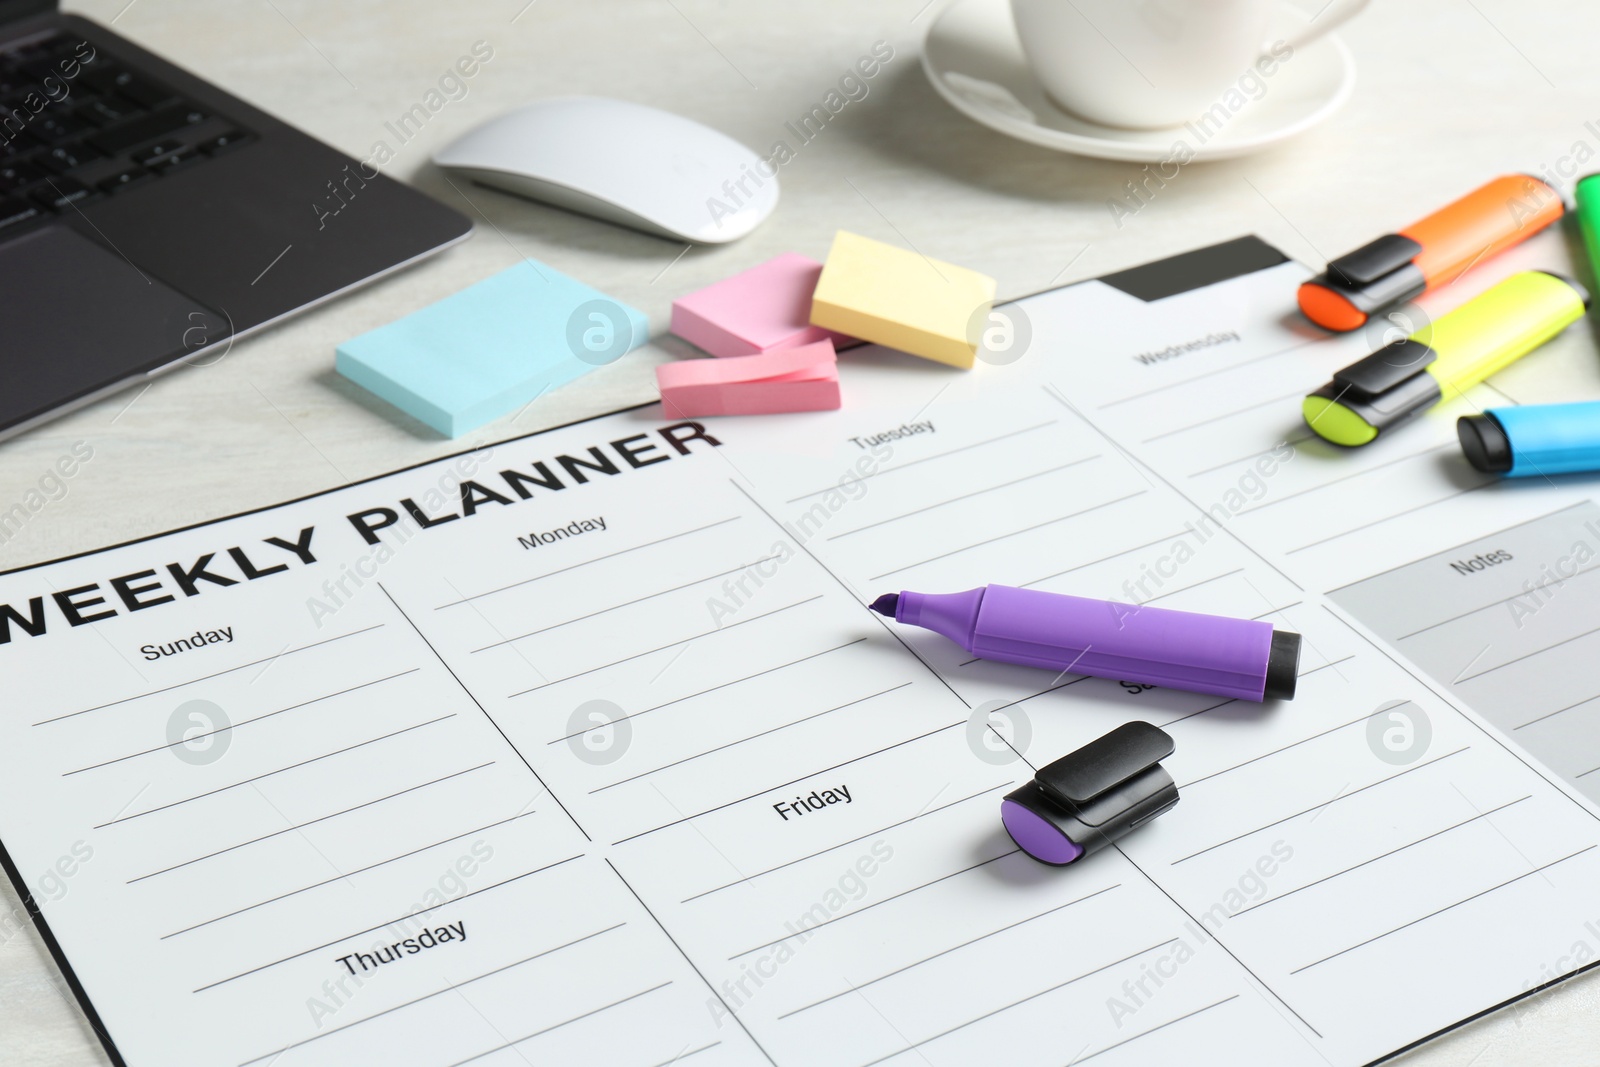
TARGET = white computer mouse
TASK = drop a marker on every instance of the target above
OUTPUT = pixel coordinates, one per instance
(626, 163)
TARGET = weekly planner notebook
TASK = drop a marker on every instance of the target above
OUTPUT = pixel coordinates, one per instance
(583, 748)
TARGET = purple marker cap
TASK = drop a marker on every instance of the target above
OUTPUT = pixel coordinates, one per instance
(1091, 797)
(1246, 659)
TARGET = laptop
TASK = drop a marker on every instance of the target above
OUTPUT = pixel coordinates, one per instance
(148, 219)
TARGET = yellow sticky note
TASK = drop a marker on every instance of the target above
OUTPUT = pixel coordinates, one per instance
(901, 299)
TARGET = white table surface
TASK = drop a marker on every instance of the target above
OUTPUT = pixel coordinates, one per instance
(1449, 93)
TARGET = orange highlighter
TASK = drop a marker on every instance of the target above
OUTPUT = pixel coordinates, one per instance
(1425, 255)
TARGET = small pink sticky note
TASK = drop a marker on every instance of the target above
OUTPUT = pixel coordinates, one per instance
(793, 379)
(763, 309)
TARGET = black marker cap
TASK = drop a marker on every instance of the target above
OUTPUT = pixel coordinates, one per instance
(1283, 666)
(1088, 798)
(1373, 261)
(1485, 443)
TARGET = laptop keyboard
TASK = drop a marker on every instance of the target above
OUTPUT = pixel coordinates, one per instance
(76, 125)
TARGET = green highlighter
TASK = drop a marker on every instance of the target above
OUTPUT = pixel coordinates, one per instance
(1481, 337)
(1586, 194)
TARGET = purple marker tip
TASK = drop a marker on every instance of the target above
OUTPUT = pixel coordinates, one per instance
(1245, 659)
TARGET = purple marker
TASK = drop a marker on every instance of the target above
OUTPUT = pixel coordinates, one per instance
(1241, 658)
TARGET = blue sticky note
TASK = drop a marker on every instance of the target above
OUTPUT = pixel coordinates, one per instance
(491, 348)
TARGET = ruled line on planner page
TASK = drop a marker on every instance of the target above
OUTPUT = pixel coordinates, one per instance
(916, 1045)
(1211, 373)
(384, 925)
(1344, 478)
(450, 988)
(512, 1044)
(1387, 571)
(684, 1055)
(843, 916)
(793, 781)
(670, 644)
(1287, 441)
(341, 876)
(312, 822)
(713, 689)
(857, 987)
(927, 459)
(1010, 533)
(752, 737)
(1552, 646)
(1146, 1033)
(208, 677)
(1559, 711)
(1448, 907)
(588, 562)
(1382, 855)
(746, 879)
(1392, 516)
(1325, 666)
(1186, 716)
(1220, 418)
(242, 722)
(1194, 585)
(967, 496)
(1521, 594)
(1277, 751)
(1322, 806)
(627, 603)
(1105, 559)
(280, 770)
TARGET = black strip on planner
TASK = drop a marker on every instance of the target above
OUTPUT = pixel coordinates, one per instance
(1197, 269)
(25, 893)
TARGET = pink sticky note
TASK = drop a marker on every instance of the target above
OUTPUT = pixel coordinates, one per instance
(793, 379)
(764, 309)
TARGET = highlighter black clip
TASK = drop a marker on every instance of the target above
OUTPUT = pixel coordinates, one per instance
(1377, 275)
(1091, 797)
(1388, 386)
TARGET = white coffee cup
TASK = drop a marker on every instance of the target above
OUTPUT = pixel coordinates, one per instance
(1147, 64)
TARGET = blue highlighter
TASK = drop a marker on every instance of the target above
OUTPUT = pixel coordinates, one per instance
(1536, 439)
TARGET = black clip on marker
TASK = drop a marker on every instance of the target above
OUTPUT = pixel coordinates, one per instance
(1087, 799)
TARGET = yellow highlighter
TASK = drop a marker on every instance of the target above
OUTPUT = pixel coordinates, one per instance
(1481, 337)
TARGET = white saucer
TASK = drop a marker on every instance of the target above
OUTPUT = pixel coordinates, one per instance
(973, 58)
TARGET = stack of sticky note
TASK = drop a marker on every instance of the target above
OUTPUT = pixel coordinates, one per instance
(491, 348)
(775, 326)
(902, 299)
(790, 379)
(763, 309)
